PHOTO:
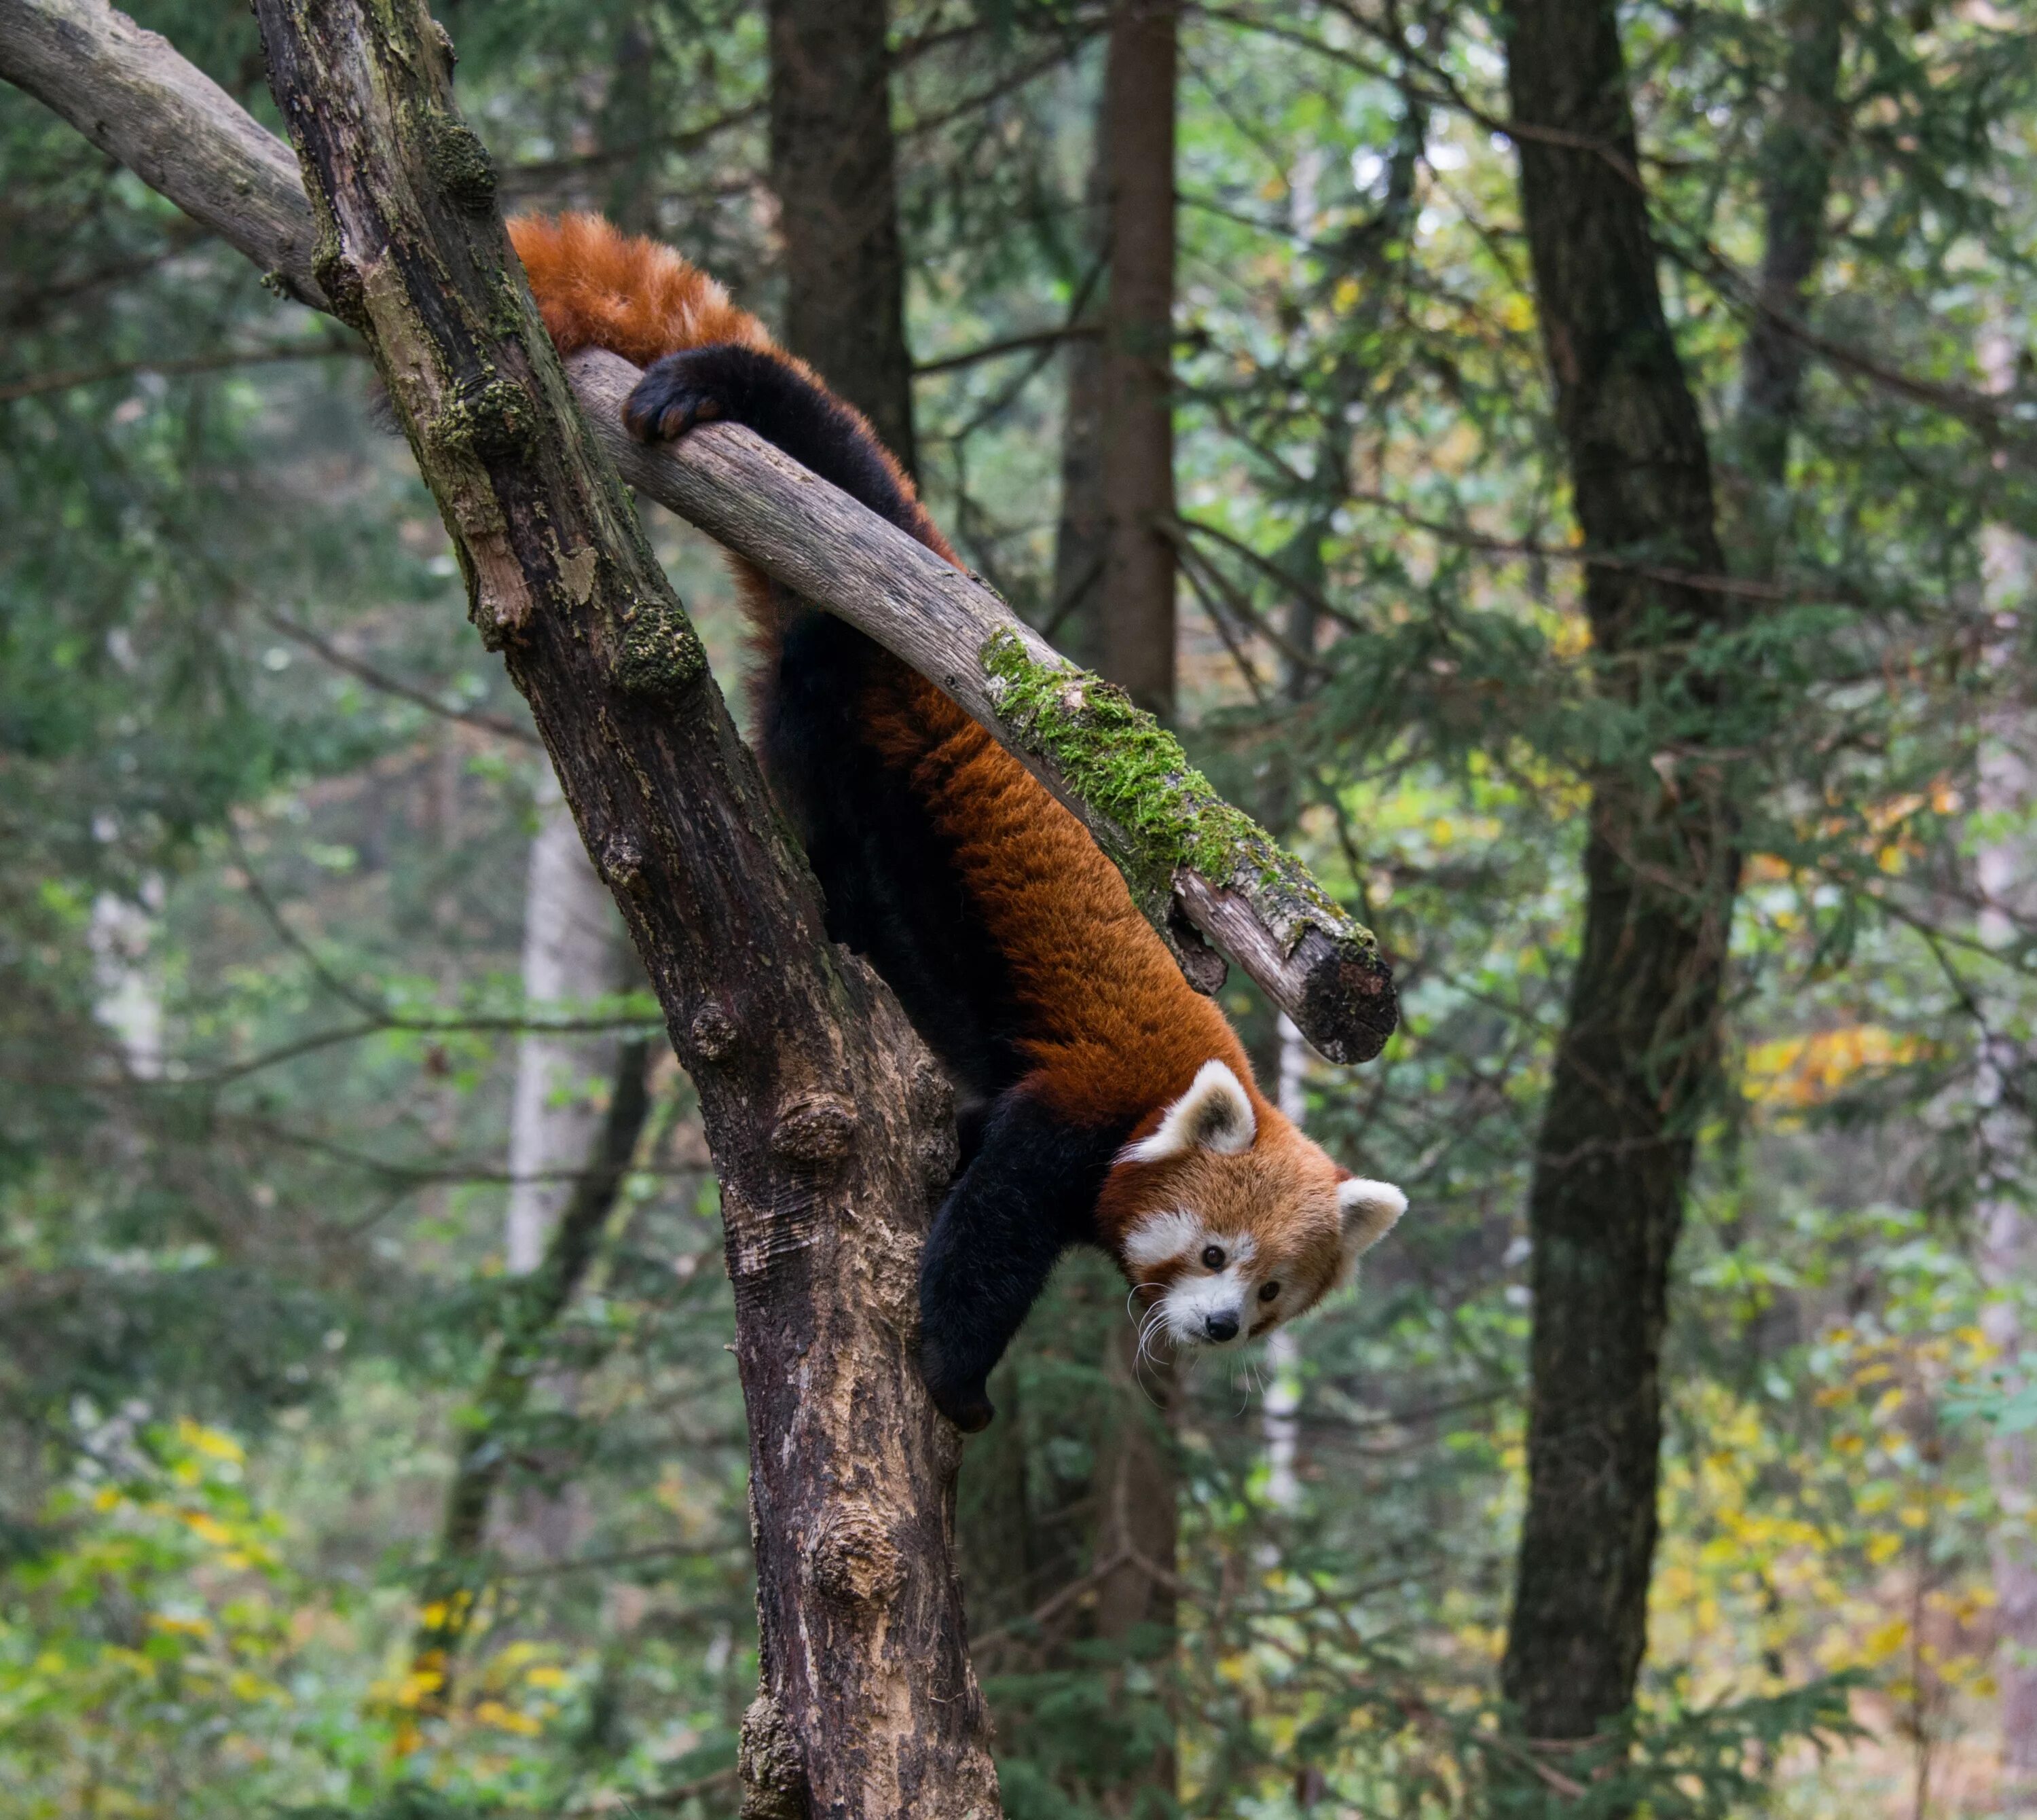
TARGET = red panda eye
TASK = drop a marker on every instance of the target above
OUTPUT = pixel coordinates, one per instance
(1212, 1257)
(1269, 1291)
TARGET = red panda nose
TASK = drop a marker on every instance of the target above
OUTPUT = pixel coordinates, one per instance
(1221, 1327)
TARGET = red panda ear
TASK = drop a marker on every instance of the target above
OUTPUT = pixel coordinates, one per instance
(1215, 1114)
(1370, 1209)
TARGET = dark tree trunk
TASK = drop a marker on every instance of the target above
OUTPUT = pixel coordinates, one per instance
(1082, 540)
(834, 168)
(1796, 177)
(1138, 446)
(1636, 1057)
(1082, 534)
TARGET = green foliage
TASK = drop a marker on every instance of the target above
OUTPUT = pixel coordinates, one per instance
(260, 926)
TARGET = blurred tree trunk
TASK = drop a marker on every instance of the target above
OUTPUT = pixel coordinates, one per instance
(572, 958)
(1637, 1054)
(1082, 538)
(2009, 1265)
(834, 168)
(2006, 871)
(1138, 1499)
(1137, 457)
(1797, 158)
(628, 128)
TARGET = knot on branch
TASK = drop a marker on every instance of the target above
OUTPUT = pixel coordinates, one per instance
(483, 417)
(621, 863)
(815, 1133)
(854, 1559)
(712, 1032)
(774, 1778)
(932, 1100)
(339, 277)
(456, 157)
(661, 657)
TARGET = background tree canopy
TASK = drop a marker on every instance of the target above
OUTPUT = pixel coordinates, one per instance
(368, 1451)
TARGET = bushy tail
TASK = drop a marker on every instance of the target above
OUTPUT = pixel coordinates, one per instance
(597, 287)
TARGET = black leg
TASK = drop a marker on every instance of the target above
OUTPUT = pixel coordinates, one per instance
(1030, 1193)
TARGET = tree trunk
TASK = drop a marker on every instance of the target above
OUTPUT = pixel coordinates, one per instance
(1082, 533)
(834, 168)
(1796, 177)
(2009, 1265)
(2007, 1252)
(827, 1120)
(1138, 448)
(572, 958)
(1613, 1158)
(1081, 540)
(1138, 1498)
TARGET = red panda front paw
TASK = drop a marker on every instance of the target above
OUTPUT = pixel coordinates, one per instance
(966, 1404)
(674, 394)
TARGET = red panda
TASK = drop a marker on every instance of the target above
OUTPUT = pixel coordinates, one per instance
(1102, 1098)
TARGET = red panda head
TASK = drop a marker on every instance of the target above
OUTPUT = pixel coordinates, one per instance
(1227, 1221)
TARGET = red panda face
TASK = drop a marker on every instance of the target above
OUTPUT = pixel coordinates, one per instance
(1227, 1221)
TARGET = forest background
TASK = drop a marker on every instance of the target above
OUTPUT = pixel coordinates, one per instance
(312, 1014)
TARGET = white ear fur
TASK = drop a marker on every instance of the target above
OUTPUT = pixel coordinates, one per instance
(1215, 1114)
(1370, 1209)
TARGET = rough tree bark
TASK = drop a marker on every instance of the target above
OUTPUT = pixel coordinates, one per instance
(1197, 867)
(834, 168)
(1138, 450)
(1613, 1157)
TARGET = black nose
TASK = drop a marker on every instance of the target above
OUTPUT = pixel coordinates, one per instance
(1221, 1327)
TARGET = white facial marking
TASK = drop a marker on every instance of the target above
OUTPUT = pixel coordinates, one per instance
(1160, 1237)
(1370, 1209)
(1195, 1299)
(1215, 1113)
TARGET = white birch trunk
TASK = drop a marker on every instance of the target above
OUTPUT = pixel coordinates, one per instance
(572, 953)
(2006, 871)
(1280, 1422)
(128, 1001)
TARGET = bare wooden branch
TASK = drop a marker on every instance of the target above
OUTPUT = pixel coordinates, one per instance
(1202, 872)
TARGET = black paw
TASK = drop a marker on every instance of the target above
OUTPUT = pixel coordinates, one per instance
(677, 393)
(967, 1405)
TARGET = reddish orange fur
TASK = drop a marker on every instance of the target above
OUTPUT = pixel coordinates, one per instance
(1124, 1033)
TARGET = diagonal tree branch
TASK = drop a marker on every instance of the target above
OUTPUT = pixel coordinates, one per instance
(1203, 872)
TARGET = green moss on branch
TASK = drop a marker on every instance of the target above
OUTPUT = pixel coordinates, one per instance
(1162, 815)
